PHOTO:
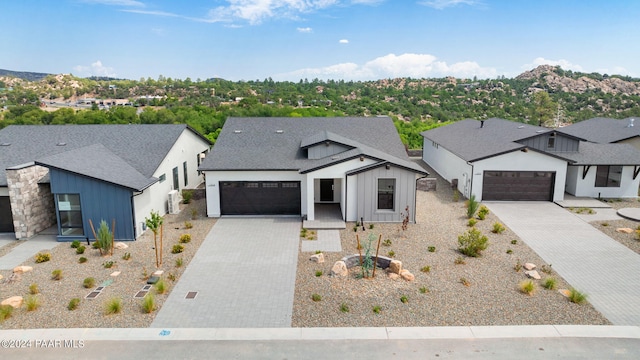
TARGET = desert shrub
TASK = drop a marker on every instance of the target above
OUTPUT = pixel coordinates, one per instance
(546, 269)
(179, 262)
(104, 237)
(75, 244)
(371, 226)
(472, 222)
(108, 264)
(483, 212)
(459, 261)
(194, 214)
(527, 287)
(498, 228)
(161, 286)
(56, 274)
(404, 299)
(425, 269)
(188, 225)
(88, 282)
(185, 238)
(391, 254)
(509, 251)
(423, 290)
(32, 302)
(5, 312)
(465, 282)
(431, 249)
(80, 250)
(513, 242)
(126, 256)
(95, 245)
(549, 283)
(318, 273)
(42, 257)
(456, 195)
(172, 277)
(472, 243)
(344, 308)
(33, 289)
(186, 196)
(73, 304)
(82, 260)
(113, 306)
(472, 206)
(387, 242)
(177, 249)
(576, 296)
(316, 297)
(376, 309)
(148, 303)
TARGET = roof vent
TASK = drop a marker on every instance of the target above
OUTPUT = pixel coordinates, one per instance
(540, 131)
(631, 122)
(279, 131)
(237, 131)
(61, 144)
(5, 144)
(521, 127)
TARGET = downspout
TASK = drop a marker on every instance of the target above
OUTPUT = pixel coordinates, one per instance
(415, 197)
(346, 197)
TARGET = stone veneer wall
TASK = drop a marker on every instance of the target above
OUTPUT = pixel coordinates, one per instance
(32, 204)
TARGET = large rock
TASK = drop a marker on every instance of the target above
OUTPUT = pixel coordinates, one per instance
(318, 258)
(14, 301)
(533, 274)
(395, 266)
(529, 266)
(120, 246)
(393, 276)
(405, 274)
(624, 230)
(339, 269)
(1, 277)
(22, 269)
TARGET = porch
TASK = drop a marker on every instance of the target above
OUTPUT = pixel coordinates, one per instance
(327, 216)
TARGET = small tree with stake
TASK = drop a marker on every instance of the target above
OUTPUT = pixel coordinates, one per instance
(154, 222)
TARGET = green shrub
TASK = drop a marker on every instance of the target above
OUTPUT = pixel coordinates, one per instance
(88, 282)
(105, 237)
(32, 302)
(186, 196)
(75, 244)
(576, 296)
(33, 289)
(472, 243)
(108, 264)
(391, 254)
(513, 242)
(549, 283)
(177, 249)
(5, 312)
(387, 242)
(472, 222)
(426, 269)
(80, 250)
(113, 306)
(518, 266)
(148, 303)
(185, 238)
(404, 299)
(456, 195)
(483, 212)
(316, 297)
(465, 282)
(172, 277)
(527, 287)
(546, 269)
(126, 256)
(194, 214)
(73, 304)
(344, 308)
(472, 206)
(179, 262)
(160, 286)
(95, 245)
(370, 226)
(42, 257)
(377, 309)
(431, 249)
(509, 251)
(459, 261)
(318, 273)
(498, 228)
(82, 260)
(188, 225)
(56, 274)
(423, 290)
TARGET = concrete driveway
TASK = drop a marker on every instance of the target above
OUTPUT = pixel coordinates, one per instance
(244, 273)
(589, 260)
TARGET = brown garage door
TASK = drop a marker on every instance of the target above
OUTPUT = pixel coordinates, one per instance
(6, 219)
(260, 197)
(518, 185)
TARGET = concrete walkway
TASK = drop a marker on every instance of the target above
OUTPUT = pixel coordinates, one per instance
(27, 250)
(588, 259)
(244, 273)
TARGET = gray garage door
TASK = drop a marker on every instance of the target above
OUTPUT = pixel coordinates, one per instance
(6, 219)
(260, 197)
(518, 185)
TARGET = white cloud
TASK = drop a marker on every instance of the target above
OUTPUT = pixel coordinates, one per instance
(441, 4)
(116, 2)
(343, 41)
(305, 30)
(255, 11)
(393, 66)
(564, 64)
(95, 69)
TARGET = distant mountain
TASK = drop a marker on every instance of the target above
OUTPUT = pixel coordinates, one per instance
(556, 79)
(26, 75)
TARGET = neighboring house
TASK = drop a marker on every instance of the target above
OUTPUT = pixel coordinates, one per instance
(497, 159)
(606, 131)
(70, 174)
(285, 166)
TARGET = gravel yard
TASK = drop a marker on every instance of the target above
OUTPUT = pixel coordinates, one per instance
(609, 227)
(55, 295)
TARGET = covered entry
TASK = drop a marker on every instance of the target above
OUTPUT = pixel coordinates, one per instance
(260, 197)
(518, 185)
(6, 219)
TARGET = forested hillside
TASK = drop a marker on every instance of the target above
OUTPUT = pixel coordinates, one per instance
(546, 95)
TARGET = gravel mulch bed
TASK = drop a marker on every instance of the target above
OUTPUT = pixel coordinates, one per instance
(55, 295)
(609, 227)
(492, 296)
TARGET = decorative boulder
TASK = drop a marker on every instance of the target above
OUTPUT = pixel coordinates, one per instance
(533, 274)
(407, 275)
(14, 301)
(22, 269)
(339, 269)
(1, 277)
(317, 258)
(529, 266)
(120, 246)
(393, 276)
(624, 230)
(395, 266)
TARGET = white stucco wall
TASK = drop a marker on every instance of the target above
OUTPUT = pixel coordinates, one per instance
(448, 165)
(214, 177)
(586, 187)
(521, 161)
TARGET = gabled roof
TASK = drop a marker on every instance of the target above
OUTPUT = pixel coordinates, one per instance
(605, 154)
(143, 147)
(473, 140)
(96, 161)
(603, 130)
(281, 143)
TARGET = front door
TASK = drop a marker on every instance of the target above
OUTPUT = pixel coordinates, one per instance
(326, 189)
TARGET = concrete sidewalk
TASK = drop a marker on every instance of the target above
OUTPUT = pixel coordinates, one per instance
(27, 250)
(589, 260)
(244, 273)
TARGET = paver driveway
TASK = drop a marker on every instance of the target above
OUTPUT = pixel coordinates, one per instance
(244, 273)
(589, 260)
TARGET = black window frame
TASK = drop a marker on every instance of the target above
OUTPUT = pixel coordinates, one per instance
(386, 194)
(608, 176)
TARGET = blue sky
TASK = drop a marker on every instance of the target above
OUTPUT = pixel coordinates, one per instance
(325, 39)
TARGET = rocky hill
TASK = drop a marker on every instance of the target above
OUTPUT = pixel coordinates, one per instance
(25, 75)
(556, 79)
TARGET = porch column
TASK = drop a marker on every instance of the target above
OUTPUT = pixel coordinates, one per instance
(32, 205)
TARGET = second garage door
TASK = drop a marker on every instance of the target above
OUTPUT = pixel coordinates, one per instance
(260, 197)
(518, 185)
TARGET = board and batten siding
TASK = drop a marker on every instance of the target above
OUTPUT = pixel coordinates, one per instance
(99, 200)
(367, 194)
(561, 143)
(324, 150)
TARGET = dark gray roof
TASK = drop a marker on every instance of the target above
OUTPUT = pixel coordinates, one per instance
(96, 161)
(143, 147)
(605, 154)
(471, 142)
(603, 130)
(278, 143)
